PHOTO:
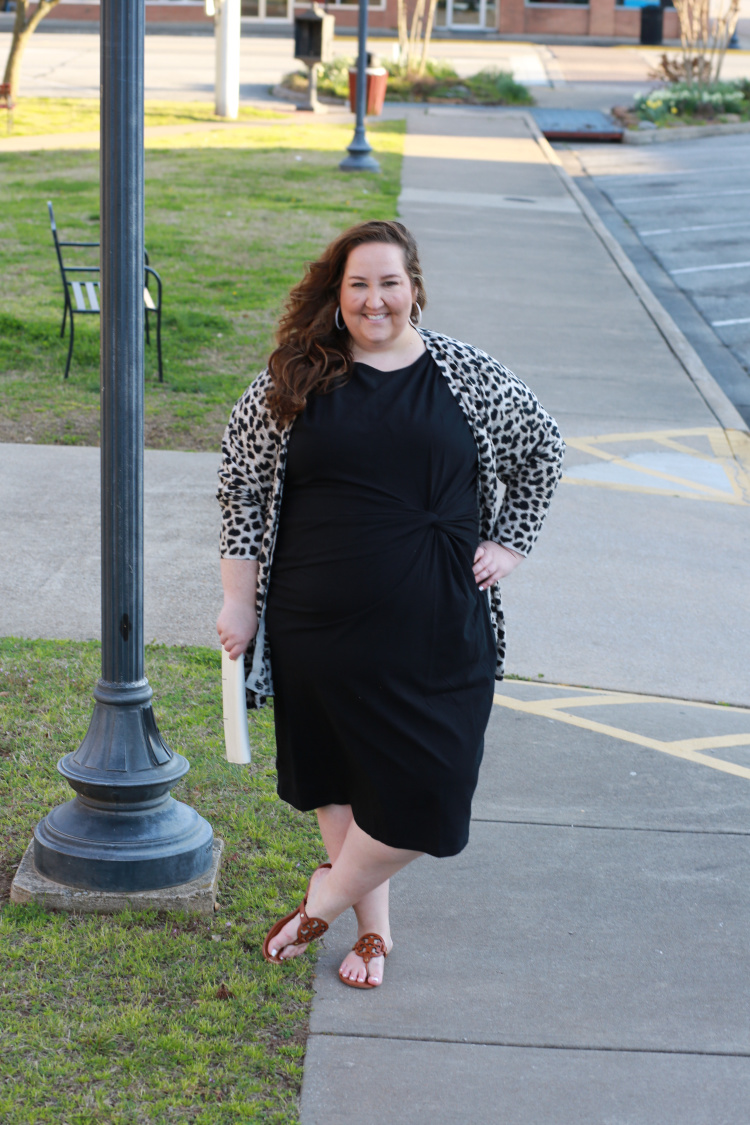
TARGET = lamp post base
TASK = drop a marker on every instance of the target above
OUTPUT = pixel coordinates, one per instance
(123, 831)
(360, 158)
(122, 849)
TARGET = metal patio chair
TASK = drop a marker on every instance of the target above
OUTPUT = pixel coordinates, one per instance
(82, 293)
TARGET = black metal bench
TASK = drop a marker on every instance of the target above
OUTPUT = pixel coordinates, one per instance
(82, 293)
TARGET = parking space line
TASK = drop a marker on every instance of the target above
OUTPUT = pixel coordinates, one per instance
(727, 323)
(551, 709)
(719, 742)
(682, 195)
(630, 176)
(702, 226)
(732, 461)
(706, 269)
(598, 700)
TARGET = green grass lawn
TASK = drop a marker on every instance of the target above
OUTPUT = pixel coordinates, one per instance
(231, 218)
(38, 116)
(120, 1019)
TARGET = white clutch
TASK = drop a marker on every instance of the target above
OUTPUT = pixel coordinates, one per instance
(236, 737)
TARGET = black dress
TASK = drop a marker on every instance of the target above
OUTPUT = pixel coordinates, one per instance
(382, 649)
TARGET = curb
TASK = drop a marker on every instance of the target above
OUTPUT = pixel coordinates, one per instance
(725, 412)
(682, 133)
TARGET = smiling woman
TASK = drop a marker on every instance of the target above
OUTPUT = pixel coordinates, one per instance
(366, 590)
(376, 303)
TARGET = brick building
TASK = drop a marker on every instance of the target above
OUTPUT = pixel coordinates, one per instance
(601, 19)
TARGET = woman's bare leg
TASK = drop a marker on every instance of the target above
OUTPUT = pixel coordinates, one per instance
(372, 910)
(362, 865)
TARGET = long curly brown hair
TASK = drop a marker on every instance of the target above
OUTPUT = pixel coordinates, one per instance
(313, 356)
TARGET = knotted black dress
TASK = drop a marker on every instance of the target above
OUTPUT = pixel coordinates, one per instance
(382, 649)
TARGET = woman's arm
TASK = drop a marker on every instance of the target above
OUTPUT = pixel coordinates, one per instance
(250, 449)
(529, 452)
(238, 620)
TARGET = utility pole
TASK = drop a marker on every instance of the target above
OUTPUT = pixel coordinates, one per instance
(227, 32)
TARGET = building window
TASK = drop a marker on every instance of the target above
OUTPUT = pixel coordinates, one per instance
(266, 9)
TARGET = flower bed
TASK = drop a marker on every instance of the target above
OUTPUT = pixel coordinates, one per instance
(440, 83)
(684, 104)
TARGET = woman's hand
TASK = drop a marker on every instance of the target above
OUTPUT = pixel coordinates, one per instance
(237, 625)
(238, 620)
(492, 562)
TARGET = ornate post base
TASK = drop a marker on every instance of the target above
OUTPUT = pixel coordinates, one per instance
(123, 831)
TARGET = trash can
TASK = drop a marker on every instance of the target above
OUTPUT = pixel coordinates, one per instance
(377, 81)
(652, 25)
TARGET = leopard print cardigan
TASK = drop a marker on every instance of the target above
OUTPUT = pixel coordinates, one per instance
(520, 453)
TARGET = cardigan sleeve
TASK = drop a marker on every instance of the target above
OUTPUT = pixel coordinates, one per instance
(249, 450)
(529, 451)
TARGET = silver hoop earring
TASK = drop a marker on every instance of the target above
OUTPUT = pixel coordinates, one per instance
(418, 320)
(336, 318)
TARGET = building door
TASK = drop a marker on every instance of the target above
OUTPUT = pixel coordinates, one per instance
(467, 15)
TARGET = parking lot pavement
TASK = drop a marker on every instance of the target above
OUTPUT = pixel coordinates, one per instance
(182, 66)
(684, 218)
(604, 879)
(176, 66)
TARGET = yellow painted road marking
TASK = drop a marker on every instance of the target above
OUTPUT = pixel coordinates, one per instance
(595, 700)
(716, 742)
(729, 448)
(691, 485)
(687, 749)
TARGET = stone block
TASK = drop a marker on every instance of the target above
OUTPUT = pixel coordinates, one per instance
(196, 897)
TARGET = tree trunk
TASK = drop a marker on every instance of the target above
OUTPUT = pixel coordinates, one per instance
(724, 28)
(403, 34)
(23, 29)
(416, 33)
(427, 36)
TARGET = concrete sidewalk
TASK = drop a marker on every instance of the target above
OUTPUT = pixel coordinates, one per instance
(586, 959)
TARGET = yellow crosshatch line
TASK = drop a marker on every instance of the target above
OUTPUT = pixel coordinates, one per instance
(730, 448)
(689, 749)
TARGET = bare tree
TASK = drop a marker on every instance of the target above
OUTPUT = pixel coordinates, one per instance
(705, 31)
(414, 39)
(24, 27)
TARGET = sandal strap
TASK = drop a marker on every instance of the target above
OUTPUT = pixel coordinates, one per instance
(309, 928)
(369, 946)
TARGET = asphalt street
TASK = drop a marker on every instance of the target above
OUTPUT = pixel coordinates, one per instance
(182, 66)
(562, 75)
(688, 206)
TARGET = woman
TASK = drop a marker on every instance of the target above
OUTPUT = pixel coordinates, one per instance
(366, 587)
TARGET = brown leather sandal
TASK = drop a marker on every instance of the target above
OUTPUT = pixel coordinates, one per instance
(367, 947)
(308, 930)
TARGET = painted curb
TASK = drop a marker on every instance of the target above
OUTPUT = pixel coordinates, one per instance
(721, 407)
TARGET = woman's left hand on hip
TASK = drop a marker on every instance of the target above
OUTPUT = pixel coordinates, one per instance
(492, 562)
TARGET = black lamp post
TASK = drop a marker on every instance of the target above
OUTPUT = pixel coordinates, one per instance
(123, 831)
(360, 158)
